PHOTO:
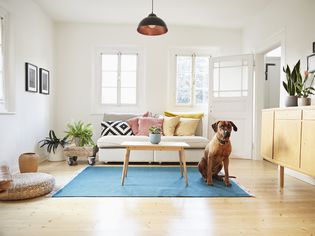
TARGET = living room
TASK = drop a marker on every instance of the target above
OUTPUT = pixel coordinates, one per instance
(66, 38)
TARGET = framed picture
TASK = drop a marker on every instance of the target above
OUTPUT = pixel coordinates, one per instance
(31, 77)
(43, 81)
(313, 47)
(311, 63)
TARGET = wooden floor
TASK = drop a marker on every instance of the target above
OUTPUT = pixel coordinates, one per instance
(271, 212)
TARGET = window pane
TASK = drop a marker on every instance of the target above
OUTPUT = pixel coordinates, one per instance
(1, 86)
(230, 63)
(245, 93)
(183, 96)
(109, 79)
(128, 79)
(128, 96)
(183, 88)
(202, 65)
(230, 78)
(245, 78)
(109, 62)
(109, 95)
(216, 79)
(201, 96)
(184, 64)
(128, 62)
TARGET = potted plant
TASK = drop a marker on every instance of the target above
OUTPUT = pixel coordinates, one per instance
(305, 89)
(155, 134)
(80, 134)
(290, 84)
(54, 146)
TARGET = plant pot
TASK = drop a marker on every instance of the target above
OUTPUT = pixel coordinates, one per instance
(291, 101)
(28, 162)
(57, 156)
(304, 101)
(155, 138)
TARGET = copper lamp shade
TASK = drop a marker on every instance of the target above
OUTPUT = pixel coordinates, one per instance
(152, 25)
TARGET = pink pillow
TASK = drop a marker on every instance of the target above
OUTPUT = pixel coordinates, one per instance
(133, 122)
(147, 122)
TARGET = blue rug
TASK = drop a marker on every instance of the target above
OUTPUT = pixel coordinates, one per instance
(145, 182)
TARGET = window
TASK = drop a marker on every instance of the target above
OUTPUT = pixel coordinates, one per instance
(230, 78)
(119, 73)
(192, 79)
(2, 59)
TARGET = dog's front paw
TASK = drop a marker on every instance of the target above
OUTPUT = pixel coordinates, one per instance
(209, 182)
(228, 184)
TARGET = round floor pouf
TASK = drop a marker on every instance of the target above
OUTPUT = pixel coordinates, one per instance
(29, 185)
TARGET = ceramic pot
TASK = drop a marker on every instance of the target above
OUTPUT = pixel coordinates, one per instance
(57, 156)
(291, 101)
(28, 162)
(304, 101)
(155, 138)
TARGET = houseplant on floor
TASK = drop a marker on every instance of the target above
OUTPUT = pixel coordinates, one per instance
(305, 89)
(290, 84)
(80, 134)
(155, 135)
(54, 146)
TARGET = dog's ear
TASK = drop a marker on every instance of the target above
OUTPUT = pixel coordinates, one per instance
(233, 125)
(215, 126)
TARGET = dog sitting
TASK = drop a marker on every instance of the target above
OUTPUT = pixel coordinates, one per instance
(217, 152)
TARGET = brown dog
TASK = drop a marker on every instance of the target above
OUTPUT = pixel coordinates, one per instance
(217, 152)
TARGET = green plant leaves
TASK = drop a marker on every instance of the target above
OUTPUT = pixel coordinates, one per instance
(83, 132)
(52, 142)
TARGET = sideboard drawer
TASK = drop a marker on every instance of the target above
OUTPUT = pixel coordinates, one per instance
(288, 115)
(309, 114)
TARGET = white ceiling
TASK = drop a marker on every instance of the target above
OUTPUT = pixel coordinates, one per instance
(210, 13)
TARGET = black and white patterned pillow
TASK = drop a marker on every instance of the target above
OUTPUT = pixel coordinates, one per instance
(117, 127)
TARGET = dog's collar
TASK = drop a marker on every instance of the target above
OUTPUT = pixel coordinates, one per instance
(222, 141)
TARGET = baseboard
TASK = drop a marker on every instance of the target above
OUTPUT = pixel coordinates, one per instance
(300, 176)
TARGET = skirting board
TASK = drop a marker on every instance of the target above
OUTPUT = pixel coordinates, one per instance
(300, 176)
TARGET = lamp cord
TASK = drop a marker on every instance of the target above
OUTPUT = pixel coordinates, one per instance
(152, 6)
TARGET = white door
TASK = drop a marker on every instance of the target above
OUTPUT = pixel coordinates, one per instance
(231, 98)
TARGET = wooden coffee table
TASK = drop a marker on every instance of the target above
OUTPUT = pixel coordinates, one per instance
(162, 146)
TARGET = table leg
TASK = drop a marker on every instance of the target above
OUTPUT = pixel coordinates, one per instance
(281, 177)
(126, 169)
(125, 166)
(180, 164)
(184, 164)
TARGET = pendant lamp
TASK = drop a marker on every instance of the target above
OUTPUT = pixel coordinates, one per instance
(152, 25)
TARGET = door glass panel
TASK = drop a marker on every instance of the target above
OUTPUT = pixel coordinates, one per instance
(109, 62)
(230, 78)
(109, 95)
(128, 62)
(109, 79)
(128, 95)
(183, 79)
(128, 79)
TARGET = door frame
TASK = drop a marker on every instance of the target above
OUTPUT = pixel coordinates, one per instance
(276, 40)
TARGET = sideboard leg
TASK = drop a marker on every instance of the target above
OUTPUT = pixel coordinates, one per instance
(281, 177)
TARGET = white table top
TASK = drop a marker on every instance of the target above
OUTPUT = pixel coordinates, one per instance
(148, 144)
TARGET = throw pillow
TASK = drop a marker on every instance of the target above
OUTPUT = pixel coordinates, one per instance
(169, 125)
(117, 127)
(5, 178)
(134, 122)
(197, 115)
(186, 127)
(147, 122)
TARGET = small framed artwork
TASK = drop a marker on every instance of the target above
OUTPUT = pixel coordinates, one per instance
(313, 47)
(311, 63)
(43, 81)
(31, 77)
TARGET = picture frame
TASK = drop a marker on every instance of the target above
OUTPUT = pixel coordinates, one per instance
(311, 63)
(31, 81)
(313, 47)
(44, 81)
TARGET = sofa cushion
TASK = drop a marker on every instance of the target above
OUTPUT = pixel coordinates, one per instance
(145, 123)
(169, 125)
(117, 127)
(133, 122)
(186, 127)
(115, 141)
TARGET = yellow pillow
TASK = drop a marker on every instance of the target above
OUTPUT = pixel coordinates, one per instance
(197, 115)
(186, 127)
(169, 125)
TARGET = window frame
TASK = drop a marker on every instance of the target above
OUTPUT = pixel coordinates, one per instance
(192, 102)
(97, 107)
(4, 102)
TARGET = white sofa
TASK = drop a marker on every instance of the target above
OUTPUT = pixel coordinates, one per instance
(110, 149)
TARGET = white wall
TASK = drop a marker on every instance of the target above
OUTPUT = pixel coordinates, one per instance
(295, 18)
(30, 40)
(75, 44)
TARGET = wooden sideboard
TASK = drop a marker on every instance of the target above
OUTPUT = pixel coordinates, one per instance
(288, 139)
